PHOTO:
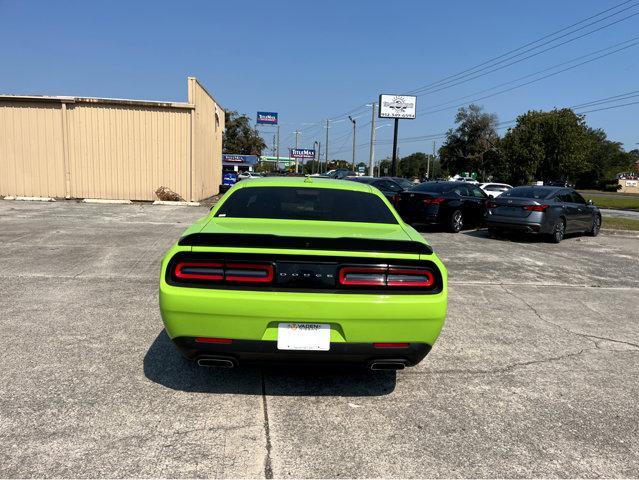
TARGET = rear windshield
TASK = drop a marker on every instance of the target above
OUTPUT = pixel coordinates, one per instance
(291, 203)
(528, 192)
(433, 187)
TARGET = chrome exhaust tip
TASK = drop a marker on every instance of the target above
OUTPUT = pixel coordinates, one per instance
(388, 365)
(215, 362)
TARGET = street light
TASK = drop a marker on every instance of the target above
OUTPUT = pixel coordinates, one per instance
(354, 123)
(371, 160)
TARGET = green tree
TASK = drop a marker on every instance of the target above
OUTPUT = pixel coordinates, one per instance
(334, 164)
(312, 166)
(414, 165)
(547, 146)
(473, 145)
(605, 159)
(240, 137)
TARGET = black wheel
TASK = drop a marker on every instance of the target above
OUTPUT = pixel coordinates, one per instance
(596, 226)
(558, 231)
(456, 221)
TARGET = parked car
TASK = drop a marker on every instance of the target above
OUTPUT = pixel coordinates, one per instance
(339, 173)
(543, 210)
(403, 182)
(248, 175)
(454, 205)
(386, 185)
(495, 189)
(256, 280)
(458, 178)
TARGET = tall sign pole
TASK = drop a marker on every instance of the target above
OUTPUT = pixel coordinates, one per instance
(396, 106)
(394, 160)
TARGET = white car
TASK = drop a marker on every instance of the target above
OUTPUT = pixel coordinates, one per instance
(458, 178)
(247, 175)
(495, 189)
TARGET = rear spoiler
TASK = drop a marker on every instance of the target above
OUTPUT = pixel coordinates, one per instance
(301, 243)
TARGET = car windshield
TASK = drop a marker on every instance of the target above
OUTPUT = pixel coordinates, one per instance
(291, 203)
(529, 192)
(434, 187)
(404, 182)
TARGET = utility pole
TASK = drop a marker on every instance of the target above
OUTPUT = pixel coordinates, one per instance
(354, 125)
(428, 164)
(371, 155)
(315, 156)
(326, 145)
(297, 138)
(278, 145)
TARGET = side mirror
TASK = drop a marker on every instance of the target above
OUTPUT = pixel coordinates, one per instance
(491, 196)
(590, 202)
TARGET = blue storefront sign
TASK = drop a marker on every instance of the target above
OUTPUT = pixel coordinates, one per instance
(267, 118)
(233, 159)
(230, 178)
(303, 153)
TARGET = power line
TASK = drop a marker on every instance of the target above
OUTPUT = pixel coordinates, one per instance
(445, 87)
(507, 123)
(529, 43)
(636, 42)
(488, 64)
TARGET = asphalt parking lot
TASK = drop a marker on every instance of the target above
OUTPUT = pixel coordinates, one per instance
(535, 374)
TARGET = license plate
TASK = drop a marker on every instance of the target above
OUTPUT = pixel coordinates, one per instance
(304, 336)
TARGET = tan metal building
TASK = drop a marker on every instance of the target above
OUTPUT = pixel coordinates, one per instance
(74, 147)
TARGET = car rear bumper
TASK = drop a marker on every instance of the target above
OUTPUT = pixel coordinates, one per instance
(517, 225)
(241, 352)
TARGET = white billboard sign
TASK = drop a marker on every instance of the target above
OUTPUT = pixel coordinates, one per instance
(397, 106)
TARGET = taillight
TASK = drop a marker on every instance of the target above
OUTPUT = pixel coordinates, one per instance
(401, 277)
(362, 276)
(199, 271)
(536, 208)
(224, 272)
(248, 272)
(433, 201)
(395, 199)
(491, 205)
(386, 277)
(225, 341)
(391, 344)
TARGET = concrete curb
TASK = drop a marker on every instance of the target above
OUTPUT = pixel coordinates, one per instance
(166, 202)
(614, 231)
(30, 199)
(103, 200)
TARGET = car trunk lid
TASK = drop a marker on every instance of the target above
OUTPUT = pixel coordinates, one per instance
(260, 234)
(513, 206)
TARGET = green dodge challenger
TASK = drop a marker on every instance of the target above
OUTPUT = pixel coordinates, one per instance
(303, 270)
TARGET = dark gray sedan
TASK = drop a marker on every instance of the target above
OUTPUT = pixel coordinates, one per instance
(549, 211)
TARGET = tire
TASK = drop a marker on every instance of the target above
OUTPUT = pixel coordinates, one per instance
(596, 226)
(558, 231)
(455, 221)
(494, 232)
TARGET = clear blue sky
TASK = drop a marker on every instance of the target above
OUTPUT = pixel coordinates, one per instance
(313, 60)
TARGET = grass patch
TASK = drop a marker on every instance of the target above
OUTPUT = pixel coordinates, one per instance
(621, 202)
(617, 223)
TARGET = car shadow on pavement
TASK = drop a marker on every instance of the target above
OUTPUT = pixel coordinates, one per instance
(164, 365)
(516, 236)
